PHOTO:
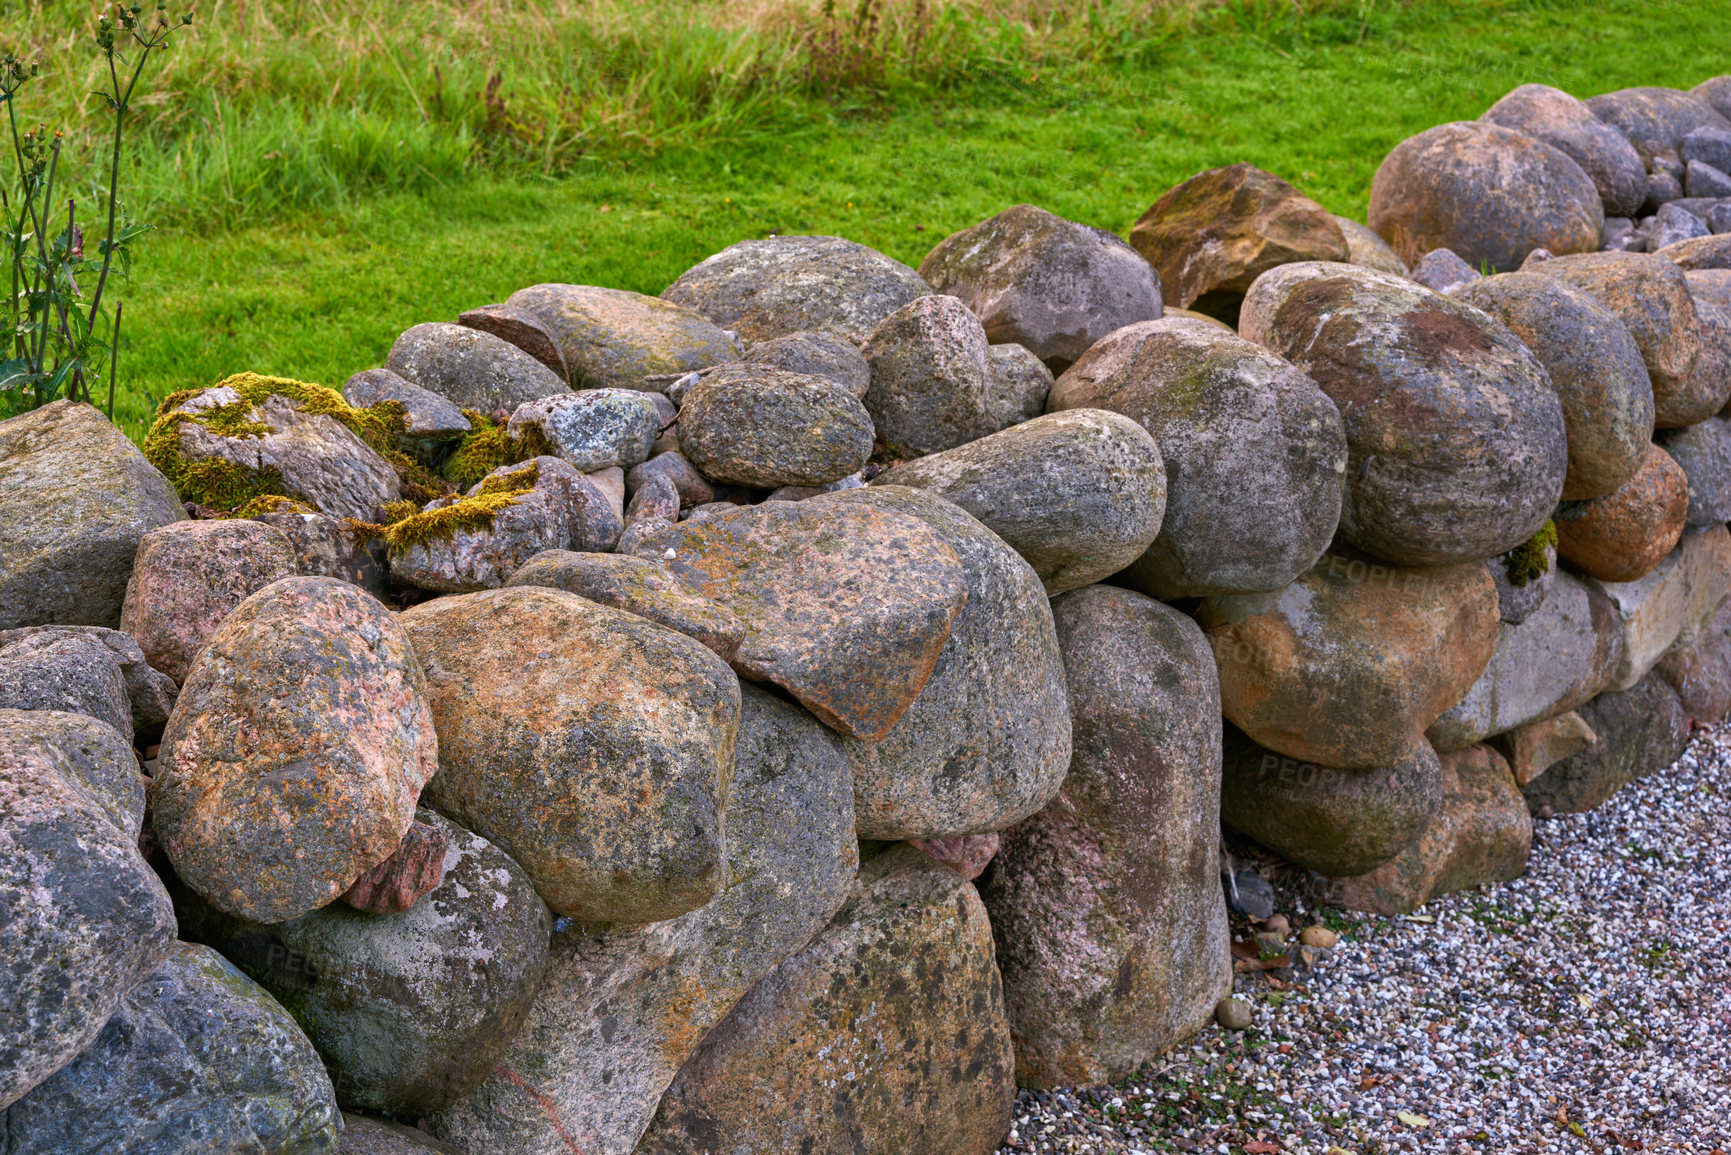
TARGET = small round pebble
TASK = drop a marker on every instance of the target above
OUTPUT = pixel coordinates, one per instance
(1233, 1014)
(1318, 936)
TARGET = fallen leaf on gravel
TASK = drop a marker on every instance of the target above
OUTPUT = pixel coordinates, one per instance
(1262, 1147)
(1366, 1082)
(1244, 949)
(1411, 1120)
(1339, 1151)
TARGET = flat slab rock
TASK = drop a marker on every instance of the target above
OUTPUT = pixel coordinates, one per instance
(617, 339)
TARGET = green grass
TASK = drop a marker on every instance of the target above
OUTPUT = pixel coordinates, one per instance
(321, 289)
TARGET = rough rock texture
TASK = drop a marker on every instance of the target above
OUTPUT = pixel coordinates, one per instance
(1700, 672)
(1079, 494)
(756, 425)
(413, 871)
(1481, 833)
(987, 741)
(1670, 604)
(1656, 119)
(619, 1012)
(295, 753)
(1699, 253)
(85, 918)
(592, 746)
(617, 339)
(655, 500)
(846, 609)
(1563, 654)
(968, 856)
(1106, 905)
(1516, 603)
(1623, 535)
(410, 1010)
(640, 586)
(1365, 248)
(470, 368)
(1443, 270)
(312, 456)
(1350, 664)
(189, 576)
(1214, 234)
(560, 509)
(1650, 295)
(1040, 281)
(1337, 822)
(1640, 731)
(1568, 125)
(693, 488)
(66, 668)
(816, 354)
(325, 547)
(1456, 436)
(594, 429)
(771, 287)
(1020, 383)
(1535, 747)
(1254, 454)
(428, 418)
(1595, 366)
(523, 329)
(76, 497)
(1716, 92)
(365, 1135)
(885, 1034)
(196, 1059)
(1703, 452)
(932, 383)
(1491, 194)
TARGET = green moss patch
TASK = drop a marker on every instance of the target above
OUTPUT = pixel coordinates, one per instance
(273, 503)
(487, 446)
(1529, 561)
(473, 514)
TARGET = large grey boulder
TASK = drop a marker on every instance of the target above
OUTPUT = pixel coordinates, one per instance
(887, 1033)
(1656, 119)
(1079, 494)
(1040, 281)
(196, 1059)
(56, 668)
(1637, 731)
(469, 368)
(409, 1009)
(756, 425)
(76, 497)
(1456, 437)
(1491, 194)
(622, 1009)
(86, 919)
(617, 339)
(1567, 124)
(1255, 453)
(1106, 905)
(932, 385)
(762, 289)
(591, 745)
(987, 741)
(1595, 366)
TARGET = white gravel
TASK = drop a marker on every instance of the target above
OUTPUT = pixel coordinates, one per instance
(1585, 1007)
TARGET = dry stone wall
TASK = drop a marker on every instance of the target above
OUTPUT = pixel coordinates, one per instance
(785, 714)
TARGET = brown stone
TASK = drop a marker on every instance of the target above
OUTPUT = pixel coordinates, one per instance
(296, 751)
(845, 608)
(1365, 248)
(188, 577)
(593, 746)
(1489, 193)
(1623, 535)
(1533, 748)
(521, 328)
(397, 883)
(1349, 665)
(968, 856)
(1651, 296)
(639, 586)
(1480, 833)
(1214, 234)
(885, 1034)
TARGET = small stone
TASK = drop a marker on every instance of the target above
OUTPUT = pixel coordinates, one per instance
(1621, 536)
(1672, 224)
(694, 489)
(1233, 1014)
(639, 586)
(1640, 731)
(656, 498)
(1705, 180)
(1703, 452)
(595, 429)
(1662, 189)
(611, 484)
(816, 354)
(471, 368)
(932, 383)
(326, 546)
(1319, 937)
(759, 426)
(967, 856)
(1532, 749)
(522, 328)
(1441, 270)
(1365, 248)
(400, 881)
(1249, 893)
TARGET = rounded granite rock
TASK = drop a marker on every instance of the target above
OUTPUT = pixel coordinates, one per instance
(1457, 443)
(816, 354)
(1655, 120)
(617, 339)
(933, 386)
(755, 425)
(1623, 535)
(1489, 193)
(1703, 452)
(1365, 248)
(1604, 153)
(470, 368)
(296, 751)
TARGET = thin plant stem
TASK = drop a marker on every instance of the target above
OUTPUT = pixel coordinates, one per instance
(114, 358)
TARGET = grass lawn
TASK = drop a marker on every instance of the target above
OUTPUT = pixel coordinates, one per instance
(321, 293)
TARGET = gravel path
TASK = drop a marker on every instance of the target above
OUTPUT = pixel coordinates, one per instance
(1585, 1007)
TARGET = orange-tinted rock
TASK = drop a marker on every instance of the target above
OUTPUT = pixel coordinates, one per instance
(885, 1034)
(1532, 749)
(615, 339)
(296, 751)
(1350, 664)
(1365, 248)
(1651, 296)
(1481, 833)
(188, 577)
(1710, 252)
(593, 746)
(1623, 535)
(1491, 194)
(397, 883)
(847, 609)
(640, 586)
(1214, 234)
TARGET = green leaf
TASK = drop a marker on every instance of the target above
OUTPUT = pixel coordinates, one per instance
(16, 374)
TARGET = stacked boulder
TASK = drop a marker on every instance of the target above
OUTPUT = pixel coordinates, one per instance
(788, 713)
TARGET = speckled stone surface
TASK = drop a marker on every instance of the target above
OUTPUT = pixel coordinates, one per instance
(1621, 536)
(1638, 731)
(932, 385)
(614, 339)
(471, 368)
(757, 425)
(1617, 171)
